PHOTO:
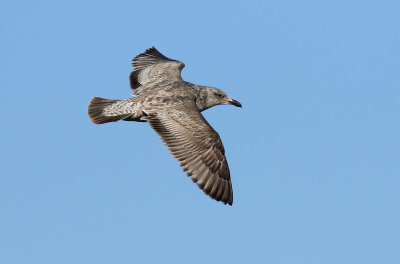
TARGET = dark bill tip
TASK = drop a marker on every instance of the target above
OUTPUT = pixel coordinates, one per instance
(235, 103)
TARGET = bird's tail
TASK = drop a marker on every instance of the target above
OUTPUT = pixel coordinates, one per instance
(97, 113)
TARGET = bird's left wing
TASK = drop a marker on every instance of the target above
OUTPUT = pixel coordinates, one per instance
(151, 66)
(198, 147)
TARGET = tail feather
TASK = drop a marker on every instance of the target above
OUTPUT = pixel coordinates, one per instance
(97, 114)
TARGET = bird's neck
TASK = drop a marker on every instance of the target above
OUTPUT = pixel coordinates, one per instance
(202, 101)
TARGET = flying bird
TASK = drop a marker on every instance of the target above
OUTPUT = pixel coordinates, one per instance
(172, 107)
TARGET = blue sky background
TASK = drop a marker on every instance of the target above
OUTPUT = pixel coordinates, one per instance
(314, 152)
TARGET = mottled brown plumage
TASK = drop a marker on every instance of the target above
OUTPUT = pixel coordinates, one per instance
(172, 108)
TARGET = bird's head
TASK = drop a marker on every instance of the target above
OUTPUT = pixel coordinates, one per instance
(211, 96)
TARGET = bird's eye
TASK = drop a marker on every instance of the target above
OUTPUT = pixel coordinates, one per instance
(220, 95)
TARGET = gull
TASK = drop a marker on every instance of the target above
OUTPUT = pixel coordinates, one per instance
(172, 108)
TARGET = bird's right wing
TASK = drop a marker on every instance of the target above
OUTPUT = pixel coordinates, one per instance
(198, 147)
(151, 66)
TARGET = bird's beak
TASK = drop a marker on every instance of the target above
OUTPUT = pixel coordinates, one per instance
(235, 103)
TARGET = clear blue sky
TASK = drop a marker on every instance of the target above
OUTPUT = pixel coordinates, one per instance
(314, 153)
